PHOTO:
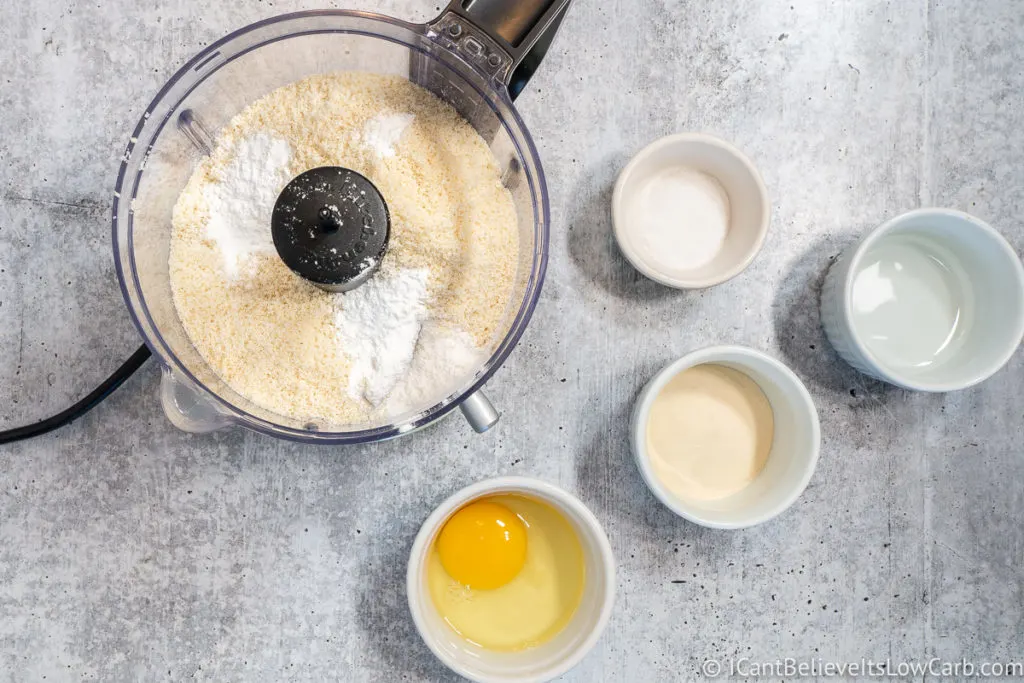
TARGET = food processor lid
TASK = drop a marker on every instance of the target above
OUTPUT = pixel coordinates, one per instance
(331, 226)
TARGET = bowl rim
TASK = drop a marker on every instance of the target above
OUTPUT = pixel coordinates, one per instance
(549, 493)
(861, 249)
(717, 354)
(618, 222)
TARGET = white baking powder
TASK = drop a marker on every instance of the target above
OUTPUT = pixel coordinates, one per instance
(681, 217)
(383, 131)
(398, 353)
(445, 358)
(378, 325)
(242, 202)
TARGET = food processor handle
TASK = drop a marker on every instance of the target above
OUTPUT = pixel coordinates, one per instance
(479, 412)
(506, 39)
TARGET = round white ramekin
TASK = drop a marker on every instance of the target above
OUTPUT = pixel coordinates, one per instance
(750, 211)
(546, 661)
(795, 445)
(997, 280)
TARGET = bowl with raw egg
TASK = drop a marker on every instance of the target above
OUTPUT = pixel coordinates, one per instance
(511, 579)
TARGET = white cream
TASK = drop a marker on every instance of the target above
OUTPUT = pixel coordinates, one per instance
(680, 218)
(709, 432)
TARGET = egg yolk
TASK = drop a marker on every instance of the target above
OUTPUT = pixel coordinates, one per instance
(483, 545)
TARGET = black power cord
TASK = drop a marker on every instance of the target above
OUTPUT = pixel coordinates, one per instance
(83, 406)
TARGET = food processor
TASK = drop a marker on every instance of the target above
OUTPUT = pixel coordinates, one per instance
(476, 55)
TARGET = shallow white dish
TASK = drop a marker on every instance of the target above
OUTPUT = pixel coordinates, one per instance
(748, 199)
(547, 661)
(988, 310)
(794, 451)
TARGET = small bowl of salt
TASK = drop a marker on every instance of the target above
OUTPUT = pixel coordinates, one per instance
(690, 211)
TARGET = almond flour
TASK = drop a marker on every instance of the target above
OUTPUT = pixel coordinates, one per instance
(304, 353)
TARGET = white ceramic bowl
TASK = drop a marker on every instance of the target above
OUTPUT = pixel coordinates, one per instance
(749, 208)
(996, 301)
(541, 663)
(794, 451)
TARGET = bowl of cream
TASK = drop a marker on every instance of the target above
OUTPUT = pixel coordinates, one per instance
(726, 437)
(690, 211)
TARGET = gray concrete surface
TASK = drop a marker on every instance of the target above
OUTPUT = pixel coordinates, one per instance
(131, 551)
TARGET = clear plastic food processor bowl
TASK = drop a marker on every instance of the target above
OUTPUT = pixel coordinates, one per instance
(475, 59)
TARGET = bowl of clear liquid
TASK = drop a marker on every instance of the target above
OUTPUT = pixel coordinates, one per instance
(932, 300)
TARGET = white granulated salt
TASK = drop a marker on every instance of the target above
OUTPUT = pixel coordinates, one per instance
(378, 325)
(242, 202)
(445, 358)
(681, 218)
(383, 131)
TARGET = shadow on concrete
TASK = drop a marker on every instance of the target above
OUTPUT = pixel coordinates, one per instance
(607, 474)
(383, 610)
(591, 242)
(637, 523)
(802, 341)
